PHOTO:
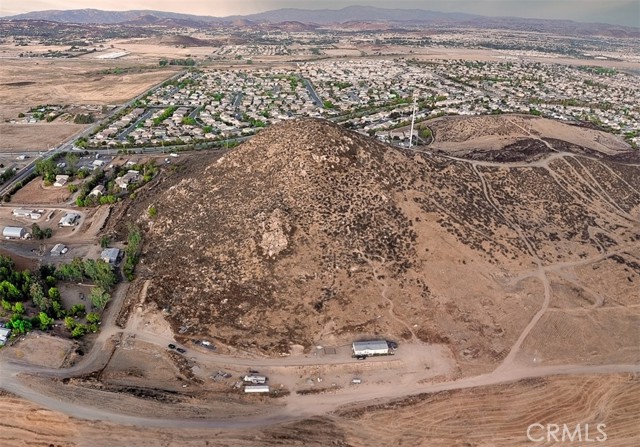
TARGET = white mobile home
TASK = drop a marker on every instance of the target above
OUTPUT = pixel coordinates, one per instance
(256, 389)
(255, 379)
(371, 347)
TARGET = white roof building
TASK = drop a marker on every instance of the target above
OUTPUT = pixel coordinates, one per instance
(372, 347)
(14, 232)
(58, 250)
(4, 335)
(61, 180)
(256, 389)
(97, 191)
(69, 220)
(110, 255)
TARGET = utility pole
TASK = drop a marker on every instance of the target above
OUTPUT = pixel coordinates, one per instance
(413, 118)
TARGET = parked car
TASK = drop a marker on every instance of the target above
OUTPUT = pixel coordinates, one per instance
(361, 357)
(392, 345)
(181, 351)
(171, 346)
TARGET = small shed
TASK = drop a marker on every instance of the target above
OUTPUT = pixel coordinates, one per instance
(110, 255)
(256, 389)
(371, 347)
(61, 180)
(58, 250)
(4, 335)
(14, 232)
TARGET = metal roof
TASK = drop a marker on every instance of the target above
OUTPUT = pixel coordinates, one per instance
(110, 254)
(371, 345)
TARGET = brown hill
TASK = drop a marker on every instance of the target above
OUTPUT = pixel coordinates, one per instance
(310, 234)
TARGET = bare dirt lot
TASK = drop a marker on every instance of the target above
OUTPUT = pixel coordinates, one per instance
(42, 350)
(80, 81)
(496, 416)
(35, 137)
(35, 192)
(462, 135)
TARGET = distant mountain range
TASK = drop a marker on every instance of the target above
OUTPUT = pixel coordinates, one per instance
(351, 14)
(321, 16)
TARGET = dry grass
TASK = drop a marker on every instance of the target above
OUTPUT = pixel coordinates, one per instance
(36, 193)
(500, 415)
(491, 416)
(76, 81)
(35, 137)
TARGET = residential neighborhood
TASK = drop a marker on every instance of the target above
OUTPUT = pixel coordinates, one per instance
(372, 96)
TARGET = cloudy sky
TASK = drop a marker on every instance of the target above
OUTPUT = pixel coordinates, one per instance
(625, 12)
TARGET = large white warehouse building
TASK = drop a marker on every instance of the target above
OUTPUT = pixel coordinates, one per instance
(14, 232)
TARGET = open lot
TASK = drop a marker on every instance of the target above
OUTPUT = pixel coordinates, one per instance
(78, 81)
(35, 137)
(35, 192)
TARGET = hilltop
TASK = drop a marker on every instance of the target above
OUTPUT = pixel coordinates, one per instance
(310, 234)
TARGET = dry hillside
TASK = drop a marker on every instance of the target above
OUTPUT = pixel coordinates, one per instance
(309, 234)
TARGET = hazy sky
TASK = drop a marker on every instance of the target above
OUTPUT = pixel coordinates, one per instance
(626, 12)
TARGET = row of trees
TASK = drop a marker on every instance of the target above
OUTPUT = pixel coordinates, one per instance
(132, 252)
(38, 233)
(99, 272)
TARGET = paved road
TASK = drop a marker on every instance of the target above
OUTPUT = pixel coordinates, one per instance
(312, 92)
(68, 144)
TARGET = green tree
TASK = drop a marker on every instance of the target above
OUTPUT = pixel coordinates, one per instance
(93, 317)
(57, 309)
(18, 308)
(45, 321)
(79, 330)
(46, 167)
(19, 324)
(105, 241)
(72, 161)
(99, 298)
(101, 273)
(9, 292)
(69, 322)
(54, 294)
(77, 310)
(39, 298)
(152, 211)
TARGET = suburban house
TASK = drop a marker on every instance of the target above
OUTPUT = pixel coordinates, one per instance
(61, 180)
(130, 177)
(69, 220)
(97, 191)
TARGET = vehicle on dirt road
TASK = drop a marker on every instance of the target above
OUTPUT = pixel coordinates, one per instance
(171, 346)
